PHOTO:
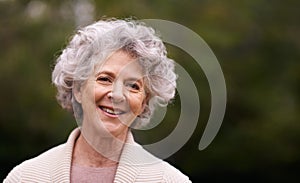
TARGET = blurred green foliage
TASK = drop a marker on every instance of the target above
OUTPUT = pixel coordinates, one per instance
(258, 47)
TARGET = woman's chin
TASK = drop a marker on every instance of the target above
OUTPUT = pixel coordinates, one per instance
(116, 129)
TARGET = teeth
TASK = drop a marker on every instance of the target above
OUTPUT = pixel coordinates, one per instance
(110, 111)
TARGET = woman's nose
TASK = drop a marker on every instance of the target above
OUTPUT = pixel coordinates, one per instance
(117, 93)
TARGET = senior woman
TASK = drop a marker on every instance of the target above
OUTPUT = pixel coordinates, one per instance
(111, 76)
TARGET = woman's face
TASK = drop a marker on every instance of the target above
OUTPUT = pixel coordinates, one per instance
(114, 95)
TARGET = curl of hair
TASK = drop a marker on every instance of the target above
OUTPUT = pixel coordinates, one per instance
(94, 43)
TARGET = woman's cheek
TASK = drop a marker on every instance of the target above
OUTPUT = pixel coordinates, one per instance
(137, 104)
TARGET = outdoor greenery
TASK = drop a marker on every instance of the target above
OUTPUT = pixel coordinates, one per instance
(257, 44)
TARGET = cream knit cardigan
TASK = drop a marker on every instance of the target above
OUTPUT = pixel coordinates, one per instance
(136, 165)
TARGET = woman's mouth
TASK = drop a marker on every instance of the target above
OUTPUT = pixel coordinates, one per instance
(112, 111)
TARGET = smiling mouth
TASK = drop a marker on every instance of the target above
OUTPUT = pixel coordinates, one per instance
(112, 111)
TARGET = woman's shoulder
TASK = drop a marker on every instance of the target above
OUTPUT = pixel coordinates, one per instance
(36, 168)
(172, 174)
(45, 158)
(52, 165)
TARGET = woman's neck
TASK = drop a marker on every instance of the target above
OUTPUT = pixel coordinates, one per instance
(85, 155)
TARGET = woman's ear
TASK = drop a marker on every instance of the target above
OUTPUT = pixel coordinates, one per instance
(145, 102)
(77, 93)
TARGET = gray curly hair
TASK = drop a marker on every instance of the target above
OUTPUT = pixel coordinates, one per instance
(96, 41)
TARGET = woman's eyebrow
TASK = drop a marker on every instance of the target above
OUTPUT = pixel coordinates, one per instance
(105, 72)
(133, 77)
(137, 79)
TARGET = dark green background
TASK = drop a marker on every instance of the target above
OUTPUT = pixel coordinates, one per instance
(257, 43)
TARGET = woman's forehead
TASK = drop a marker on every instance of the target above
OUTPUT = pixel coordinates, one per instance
(120, 63)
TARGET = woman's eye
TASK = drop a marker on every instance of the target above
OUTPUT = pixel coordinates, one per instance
(133, 86)
(103, 79)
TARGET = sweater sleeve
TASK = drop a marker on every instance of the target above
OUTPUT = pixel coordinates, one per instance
(173, 175)
(14, 175)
